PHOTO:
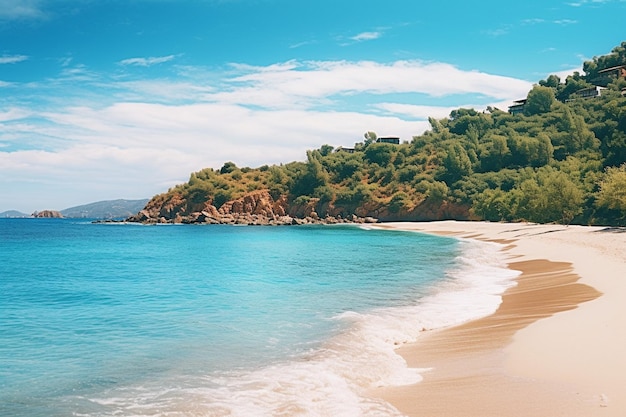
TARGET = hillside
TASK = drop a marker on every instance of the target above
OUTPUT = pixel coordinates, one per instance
(557, 156)
(110, 209)
(13, 214)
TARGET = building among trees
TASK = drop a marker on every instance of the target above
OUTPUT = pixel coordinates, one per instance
(389, 139)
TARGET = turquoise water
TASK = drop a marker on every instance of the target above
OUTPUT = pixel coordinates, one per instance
(131, 320)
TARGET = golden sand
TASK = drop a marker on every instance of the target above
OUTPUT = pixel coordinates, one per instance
(505, 364)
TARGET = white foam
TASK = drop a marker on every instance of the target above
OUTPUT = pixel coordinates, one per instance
(334, 380)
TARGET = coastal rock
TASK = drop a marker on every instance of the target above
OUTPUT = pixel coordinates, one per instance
(48, 214)
(256, 202)
(256, 208)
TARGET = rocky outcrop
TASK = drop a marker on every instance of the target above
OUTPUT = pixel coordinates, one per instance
(48, 214)
(254, 208)
(260, 208)
(258, 203)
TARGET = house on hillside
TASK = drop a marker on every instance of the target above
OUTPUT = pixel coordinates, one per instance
(605, 76)
(389, 139)
(617, 72)
(342, 149)
(517, 107)
(590, 92)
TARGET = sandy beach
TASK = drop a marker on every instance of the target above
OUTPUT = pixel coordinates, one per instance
(556, 346)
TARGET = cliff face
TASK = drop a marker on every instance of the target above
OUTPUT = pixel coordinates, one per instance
(259, 208)
(256, 207)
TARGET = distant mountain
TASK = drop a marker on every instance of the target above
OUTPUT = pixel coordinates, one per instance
(110, 209)
(13, 213)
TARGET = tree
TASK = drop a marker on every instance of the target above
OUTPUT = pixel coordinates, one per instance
(435, 125)
(612, 194)
(552, 81)
(437, 191)
(399, 201)
(494, 153)
(456, 164)
(540, 100)
(592, 68)
(380, 153)
(573, 83)
(564, 197)
(550, 197)
(370, 137)
(494, 205)
(326, 150)
(228, 168)
(199, 192)
(221, 197)
(312, 177)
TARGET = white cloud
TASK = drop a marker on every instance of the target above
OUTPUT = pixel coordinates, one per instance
(366, 36)
(12, 59)
(420, 112)
(533, 21)
(565, 73)
(565, 22)
(163, 90)
(146, 62)
(14, 114)
(17, 9)
(584, 2)
(496, 33)
(301, 44)
(140, 149)
(297, 83)
(78, 73)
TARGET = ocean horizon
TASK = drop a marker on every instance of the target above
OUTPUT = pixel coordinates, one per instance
(175, 320)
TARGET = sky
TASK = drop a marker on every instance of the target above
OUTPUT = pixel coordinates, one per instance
(108, 99)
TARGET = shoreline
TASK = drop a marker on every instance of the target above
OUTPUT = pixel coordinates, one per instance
(554, 346)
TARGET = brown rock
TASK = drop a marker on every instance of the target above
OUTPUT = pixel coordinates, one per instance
(48, 214)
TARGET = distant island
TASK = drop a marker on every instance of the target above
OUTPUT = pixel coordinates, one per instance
(13, 214)
(47, 214)
(557, 155)
(108, 209)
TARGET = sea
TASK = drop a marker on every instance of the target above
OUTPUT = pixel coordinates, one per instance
(116, 319)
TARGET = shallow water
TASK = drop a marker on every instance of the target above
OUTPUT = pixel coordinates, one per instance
(131, 320)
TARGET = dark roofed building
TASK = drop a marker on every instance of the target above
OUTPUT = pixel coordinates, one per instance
(389, 139)
(342, 149)
(605, 76)
(518, 106)
(618, 71)
(595, 91)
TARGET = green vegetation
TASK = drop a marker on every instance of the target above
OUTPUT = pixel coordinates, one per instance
(562, 160)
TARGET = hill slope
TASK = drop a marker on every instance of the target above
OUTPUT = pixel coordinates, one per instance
(560, 158)
(13, 214)
(109, 209)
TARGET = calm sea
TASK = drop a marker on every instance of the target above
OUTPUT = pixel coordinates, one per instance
(132, 320)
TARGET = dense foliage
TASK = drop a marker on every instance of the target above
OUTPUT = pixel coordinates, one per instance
(561, 160)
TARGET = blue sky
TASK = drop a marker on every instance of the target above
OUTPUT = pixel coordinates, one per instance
(106, 99)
